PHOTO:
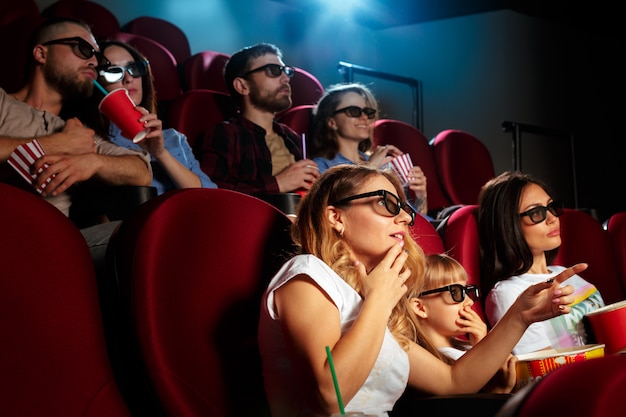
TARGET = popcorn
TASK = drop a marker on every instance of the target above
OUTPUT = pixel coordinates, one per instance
(402, 165)
(23, 158)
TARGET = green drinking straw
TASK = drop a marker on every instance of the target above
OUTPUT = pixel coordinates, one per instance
(332, 372)
(101, 88)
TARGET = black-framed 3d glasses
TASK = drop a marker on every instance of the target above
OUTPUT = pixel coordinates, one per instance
(540, 213)
(457, 291)
(81, 49)
(115, 73)
(354, 111)
(272, 70)
(389, 203)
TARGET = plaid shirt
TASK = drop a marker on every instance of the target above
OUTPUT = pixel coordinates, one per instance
(236, 156)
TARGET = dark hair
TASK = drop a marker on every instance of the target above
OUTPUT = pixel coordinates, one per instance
(48, 30)
(148, 100)
(239, 63)
(87, 111)
(503, 248)
(324, 141)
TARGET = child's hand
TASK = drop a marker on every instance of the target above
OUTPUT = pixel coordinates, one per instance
(504, 380)
(472, 324)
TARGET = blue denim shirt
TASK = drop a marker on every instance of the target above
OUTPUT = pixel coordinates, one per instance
(176, 143)
(323, 163)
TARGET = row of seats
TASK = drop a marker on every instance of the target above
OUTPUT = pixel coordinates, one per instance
(193, 99)
(446, 160)
(171, 329)
(200, 100)
(175, 68)
(455, 162)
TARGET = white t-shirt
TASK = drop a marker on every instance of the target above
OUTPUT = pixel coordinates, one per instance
(386, 381)
(562, 331)
(452, 352)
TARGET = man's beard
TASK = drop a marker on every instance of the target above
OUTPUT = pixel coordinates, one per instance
(269, 103)
(68, 86)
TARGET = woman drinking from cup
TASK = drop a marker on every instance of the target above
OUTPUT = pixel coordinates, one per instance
(174, 165)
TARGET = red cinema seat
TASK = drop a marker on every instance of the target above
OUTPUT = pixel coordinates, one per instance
(53, 354)
(191, 266)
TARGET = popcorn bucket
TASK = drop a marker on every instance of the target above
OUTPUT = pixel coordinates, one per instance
(535, 365)
(23, 158)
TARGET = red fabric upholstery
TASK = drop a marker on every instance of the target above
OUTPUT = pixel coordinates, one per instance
(426, 236)
(18, 29)
(592, 388)
(192, 265)
(12, 10)
(616, 227)
(299, 118)
(584, 240)
(464, 165)
(53, 356)
(162, 31)
(204, 71)
(195, 113)
(102, 21)
(163, 64)
(305, 88)
(460, 238)
(409, 139)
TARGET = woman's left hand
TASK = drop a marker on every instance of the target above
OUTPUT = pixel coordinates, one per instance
(382, 155)
(153, 142)
(417, 182)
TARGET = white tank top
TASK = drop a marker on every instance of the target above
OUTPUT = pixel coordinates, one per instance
(385, 383)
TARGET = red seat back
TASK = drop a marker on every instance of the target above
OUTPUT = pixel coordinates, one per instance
(13, 10)
(299, 118)
(592, 388)
(162, 62)
(192, 265)
(53, 355)
(410, 140)
(305, 89)
(460, 238)
(18, 30)
(205, 71)
(195, 113)
(426, 236)
(616, 227)
(584, 240)
(162, 31)
(464, 165)
(103, 22)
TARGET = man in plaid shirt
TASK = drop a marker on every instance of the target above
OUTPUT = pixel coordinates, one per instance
(251, 152)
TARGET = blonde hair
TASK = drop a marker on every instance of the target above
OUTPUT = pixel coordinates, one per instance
(314, 235)
(442, 270)
(439, 270)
